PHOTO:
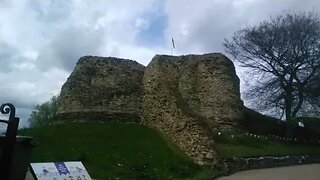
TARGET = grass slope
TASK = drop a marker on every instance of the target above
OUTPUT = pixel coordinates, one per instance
(114, 151)
(132, 151)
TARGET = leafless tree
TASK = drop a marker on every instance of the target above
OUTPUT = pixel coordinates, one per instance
(284, 53)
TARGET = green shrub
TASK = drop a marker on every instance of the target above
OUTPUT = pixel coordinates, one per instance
(45, 114)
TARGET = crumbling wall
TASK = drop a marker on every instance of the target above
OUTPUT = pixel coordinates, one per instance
(189, 98)
(103, 88)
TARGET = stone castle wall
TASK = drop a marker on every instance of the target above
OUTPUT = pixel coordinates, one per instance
(189, 98)
(102, 88)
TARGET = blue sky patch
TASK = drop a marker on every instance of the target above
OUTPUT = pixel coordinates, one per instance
(153, 34)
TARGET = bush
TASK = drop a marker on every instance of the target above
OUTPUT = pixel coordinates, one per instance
(256, 123)
(310, 131)
(45, 114)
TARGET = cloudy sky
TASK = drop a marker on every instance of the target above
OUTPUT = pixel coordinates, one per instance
(41, 40)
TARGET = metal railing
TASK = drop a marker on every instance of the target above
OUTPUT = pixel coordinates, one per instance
(9, 140)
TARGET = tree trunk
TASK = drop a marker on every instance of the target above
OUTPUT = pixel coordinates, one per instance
(288, 110)
(300, 101)
(288, 99)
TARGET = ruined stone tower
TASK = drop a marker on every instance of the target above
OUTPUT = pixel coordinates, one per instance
(189, 98)
(103, 89)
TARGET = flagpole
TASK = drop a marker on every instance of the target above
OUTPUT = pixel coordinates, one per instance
(173, 45)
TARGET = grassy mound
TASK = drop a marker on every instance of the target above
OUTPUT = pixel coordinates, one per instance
(114, 151)
(132, 151)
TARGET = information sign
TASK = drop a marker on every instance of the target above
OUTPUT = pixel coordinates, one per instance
(59, 171)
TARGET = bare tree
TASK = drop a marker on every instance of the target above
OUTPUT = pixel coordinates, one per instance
(284, 53)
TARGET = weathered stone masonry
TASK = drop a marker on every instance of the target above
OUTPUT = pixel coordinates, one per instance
(187, 98)
(104, 89)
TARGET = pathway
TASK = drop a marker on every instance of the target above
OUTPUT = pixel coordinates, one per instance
(308, 172)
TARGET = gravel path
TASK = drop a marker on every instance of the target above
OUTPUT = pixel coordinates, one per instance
(301, 172)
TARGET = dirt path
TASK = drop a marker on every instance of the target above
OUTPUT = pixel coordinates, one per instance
(308, 172)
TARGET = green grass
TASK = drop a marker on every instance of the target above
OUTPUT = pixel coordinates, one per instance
(115, 151)
(132, 151)
(246, 146)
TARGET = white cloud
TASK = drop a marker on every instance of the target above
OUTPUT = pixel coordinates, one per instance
(201, 26)
(40, 41)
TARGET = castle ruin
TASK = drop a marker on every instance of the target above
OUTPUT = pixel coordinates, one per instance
(187, 98)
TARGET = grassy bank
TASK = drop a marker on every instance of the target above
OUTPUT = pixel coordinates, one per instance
(132, 151)
(114, 151)
(246, 146)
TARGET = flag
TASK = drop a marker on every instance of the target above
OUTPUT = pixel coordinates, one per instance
(301, 124)
(173, 43)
